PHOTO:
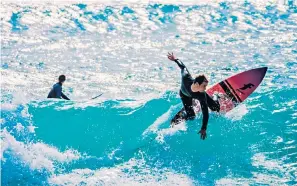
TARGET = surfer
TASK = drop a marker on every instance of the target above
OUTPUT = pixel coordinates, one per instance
(194, 89)
(56, 91)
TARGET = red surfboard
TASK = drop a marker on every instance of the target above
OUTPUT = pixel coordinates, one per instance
(235, 89)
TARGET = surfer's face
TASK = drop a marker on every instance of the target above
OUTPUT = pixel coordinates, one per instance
(62, 82)
(203, 86)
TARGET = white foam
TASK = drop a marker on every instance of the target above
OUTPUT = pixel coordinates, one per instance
(8, 106)
(19, 127)
(258, 4)
(161, 134)
(260, 160)
(25, 112)
(276, 173)
(279, 139)
(20, 97)
(2, 120)
(36, 155)
(160, 120)
(133, 172)
(31, 128)
(112, 61)
(237, 113)
(168, 130)
(111, 155)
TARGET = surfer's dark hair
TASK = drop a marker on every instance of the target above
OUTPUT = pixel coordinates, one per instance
(62, 78)
(200, 79)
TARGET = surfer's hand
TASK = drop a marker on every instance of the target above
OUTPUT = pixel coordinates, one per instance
(171, 56)
(203, 134)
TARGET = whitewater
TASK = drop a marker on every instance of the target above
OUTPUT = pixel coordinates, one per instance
(123, 137)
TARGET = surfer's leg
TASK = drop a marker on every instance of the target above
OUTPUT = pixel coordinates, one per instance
(188, 105)
(186, 113)
(214, 105)
(178, 117)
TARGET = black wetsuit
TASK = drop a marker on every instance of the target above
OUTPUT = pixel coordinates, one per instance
(56, 92)
(187, 96)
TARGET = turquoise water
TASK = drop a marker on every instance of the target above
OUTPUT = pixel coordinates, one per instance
(123, 137)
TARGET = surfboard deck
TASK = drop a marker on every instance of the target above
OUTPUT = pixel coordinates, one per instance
(234, 90)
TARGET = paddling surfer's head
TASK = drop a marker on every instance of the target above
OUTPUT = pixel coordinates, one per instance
(62, 79)
(200, 83)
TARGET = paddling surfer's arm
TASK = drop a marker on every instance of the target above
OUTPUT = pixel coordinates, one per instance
(58, 90)
(59, 93)
(64, 96)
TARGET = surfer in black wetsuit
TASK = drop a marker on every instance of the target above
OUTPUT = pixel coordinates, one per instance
(56, 91)
(193, 89)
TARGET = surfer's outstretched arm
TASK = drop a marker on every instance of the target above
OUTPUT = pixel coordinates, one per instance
(180, 64)
(64, 96)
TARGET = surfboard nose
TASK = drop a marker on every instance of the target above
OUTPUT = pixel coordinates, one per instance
(265, 69)
(262, 70)
(261, 73)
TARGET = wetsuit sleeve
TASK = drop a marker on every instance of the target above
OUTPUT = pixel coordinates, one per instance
(64, 96)
(202, 97)
(180, 64)
(213, 105)
(205, 114)
(183, 68)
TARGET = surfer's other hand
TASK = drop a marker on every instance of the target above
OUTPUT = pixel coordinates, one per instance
(171, 56)
(202, 133)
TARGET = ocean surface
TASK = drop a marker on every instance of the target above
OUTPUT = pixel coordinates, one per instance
(119, 48)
